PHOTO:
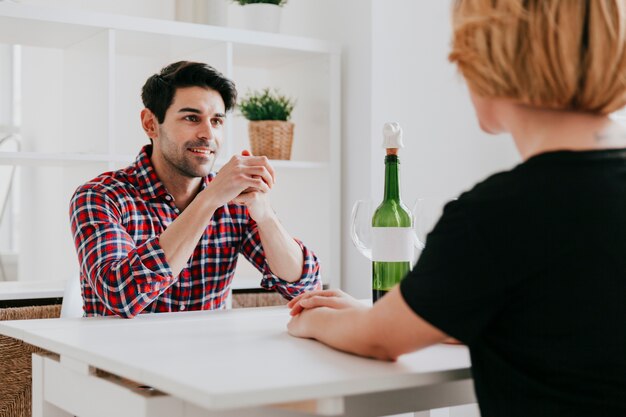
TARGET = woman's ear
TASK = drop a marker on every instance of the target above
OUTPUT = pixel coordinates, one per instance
(149, 123)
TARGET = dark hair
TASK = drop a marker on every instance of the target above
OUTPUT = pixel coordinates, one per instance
(158, 92)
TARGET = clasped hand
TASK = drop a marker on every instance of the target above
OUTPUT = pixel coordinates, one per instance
(246, 180)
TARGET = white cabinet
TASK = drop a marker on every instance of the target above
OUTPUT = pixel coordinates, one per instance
(80, 76)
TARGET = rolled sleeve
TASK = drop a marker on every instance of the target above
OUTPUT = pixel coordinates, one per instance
(150, 260)
(124, 275)
(309, 278)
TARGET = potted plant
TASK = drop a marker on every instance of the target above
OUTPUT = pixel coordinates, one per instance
(263, 15)
(269, 128)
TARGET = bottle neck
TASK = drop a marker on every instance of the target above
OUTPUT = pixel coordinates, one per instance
(392, 183)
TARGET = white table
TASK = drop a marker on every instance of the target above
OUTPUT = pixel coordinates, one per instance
(225, 363)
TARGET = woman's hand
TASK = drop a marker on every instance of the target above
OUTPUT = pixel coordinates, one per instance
(335, 299)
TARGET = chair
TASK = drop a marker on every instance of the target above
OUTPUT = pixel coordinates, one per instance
(72, 305)
(7, 144)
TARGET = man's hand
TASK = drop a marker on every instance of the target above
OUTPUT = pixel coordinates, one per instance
(258, 205)
(257, 202)
(242, 174)
(335, 299)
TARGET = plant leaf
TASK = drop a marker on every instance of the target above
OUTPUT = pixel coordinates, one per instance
(266, 105)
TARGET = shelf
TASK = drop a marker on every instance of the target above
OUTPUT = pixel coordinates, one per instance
(59, 159)
(20, 290)
(8, 130)
(73, 159)
(54, 27)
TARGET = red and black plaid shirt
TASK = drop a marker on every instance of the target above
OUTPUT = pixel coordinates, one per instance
(116, 221)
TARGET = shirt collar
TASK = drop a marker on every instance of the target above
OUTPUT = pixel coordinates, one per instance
(147, 179)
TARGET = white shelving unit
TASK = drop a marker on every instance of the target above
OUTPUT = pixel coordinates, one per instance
(67, 159)
(81, 75)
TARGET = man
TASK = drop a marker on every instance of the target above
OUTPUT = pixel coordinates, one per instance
(164, 233)
(527, 268)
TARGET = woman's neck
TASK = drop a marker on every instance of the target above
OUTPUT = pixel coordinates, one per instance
(537, 130)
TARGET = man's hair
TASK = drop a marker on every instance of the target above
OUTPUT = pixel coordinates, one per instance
(558, 54)
(158, 92)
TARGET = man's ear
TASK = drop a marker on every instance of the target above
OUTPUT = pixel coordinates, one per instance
(149, 123)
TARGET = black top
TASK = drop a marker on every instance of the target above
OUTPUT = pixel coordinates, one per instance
(529, 270)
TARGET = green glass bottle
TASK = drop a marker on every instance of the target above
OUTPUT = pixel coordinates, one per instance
(392, 246)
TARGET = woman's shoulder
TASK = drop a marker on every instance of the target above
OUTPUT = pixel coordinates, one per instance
(498, 186)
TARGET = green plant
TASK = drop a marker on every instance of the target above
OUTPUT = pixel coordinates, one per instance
(266, 105)
(276, 2)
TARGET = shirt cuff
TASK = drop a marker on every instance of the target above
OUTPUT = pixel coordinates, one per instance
(309, 278)
(151, 267)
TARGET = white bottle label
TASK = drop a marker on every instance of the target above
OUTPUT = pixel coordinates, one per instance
(392, 244)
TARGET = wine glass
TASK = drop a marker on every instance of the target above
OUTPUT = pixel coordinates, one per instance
(426, 212)
(361, 227)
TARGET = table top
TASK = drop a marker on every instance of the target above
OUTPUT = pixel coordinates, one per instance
(232, 358)
(23, 290)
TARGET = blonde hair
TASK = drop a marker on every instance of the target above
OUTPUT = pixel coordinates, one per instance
(559, 54)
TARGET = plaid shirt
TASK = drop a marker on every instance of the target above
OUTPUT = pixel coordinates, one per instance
(116, 221)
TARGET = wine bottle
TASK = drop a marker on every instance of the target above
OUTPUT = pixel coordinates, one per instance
(392, 246)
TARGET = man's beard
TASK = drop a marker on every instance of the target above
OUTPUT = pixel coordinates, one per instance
(177, 158)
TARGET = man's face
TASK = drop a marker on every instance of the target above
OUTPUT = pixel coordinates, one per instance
(192, 132)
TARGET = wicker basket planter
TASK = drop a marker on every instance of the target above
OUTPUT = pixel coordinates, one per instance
(272, 138)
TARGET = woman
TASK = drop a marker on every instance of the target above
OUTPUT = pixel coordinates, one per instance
(529, 267)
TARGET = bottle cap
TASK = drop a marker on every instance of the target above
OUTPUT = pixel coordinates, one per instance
(392, 134)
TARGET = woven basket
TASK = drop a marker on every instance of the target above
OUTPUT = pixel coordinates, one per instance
(272, 138)
(261, 299)
(16, 362)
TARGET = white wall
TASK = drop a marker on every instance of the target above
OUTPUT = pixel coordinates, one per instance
(414, 84)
